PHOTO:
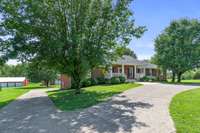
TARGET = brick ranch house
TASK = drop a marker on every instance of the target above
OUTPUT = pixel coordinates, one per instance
(127, 66)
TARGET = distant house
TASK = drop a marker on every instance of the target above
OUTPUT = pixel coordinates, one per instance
(13, 81)
(127, 66)
(132, 69)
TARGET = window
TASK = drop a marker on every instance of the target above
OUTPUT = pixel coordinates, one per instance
(148, 72)
(138, 70)
(154, 72)
(114, 70)
(119, 70)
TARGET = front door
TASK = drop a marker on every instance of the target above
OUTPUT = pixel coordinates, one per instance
(130, 73)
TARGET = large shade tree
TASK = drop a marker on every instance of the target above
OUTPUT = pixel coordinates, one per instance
(71, 36)
(178, 47)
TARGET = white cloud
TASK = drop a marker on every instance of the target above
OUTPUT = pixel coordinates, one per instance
(144, 56)
(143, 49)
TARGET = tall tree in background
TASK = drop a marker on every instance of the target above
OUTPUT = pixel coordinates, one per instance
(71, 36)
(38, 72)
(128, 51)
(19, 70)
(33, 71)
(178, 47)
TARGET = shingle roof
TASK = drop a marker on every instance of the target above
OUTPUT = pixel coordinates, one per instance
(128, 60)
(146, 64)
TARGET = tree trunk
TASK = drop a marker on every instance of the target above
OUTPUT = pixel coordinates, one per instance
(47, 83)
(179, 77)
(173, 76)
(164, 75)
(76, 84)
(76, 73)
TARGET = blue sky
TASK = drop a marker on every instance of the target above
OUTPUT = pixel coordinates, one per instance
(156, 15)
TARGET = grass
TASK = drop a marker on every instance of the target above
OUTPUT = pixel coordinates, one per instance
(185, 111)
(190, 81)
(7, 95)
(67, 100)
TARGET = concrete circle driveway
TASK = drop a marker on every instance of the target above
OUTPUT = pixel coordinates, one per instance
(139, 110)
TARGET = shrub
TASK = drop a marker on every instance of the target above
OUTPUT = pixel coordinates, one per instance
(86, 83)
(158, 79)
(107, 81)
(115, 80)
(152, 79)
(145, 79)
(197, 75)
(94, 81)
(188, 75)
(101, 80)
(122, 79)
(149, 79)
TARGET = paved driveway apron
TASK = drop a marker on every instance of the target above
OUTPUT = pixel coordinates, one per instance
(140, 110)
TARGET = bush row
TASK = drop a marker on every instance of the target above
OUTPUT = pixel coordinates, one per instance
(149, 79)
(197, 75)
(101, 80)
(193, 74)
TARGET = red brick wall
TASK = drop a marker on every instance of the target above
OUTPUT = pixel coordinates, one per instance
(65, 81)
(98, 72)
(26, 82)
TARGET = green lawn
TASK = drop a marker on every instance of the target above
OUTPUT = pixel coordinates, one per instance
(7, 95)
(192, 81)
(67, 100)
(185, 111)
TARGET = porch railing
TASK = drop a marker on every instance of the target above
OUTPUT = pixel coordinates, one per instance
(118, 74)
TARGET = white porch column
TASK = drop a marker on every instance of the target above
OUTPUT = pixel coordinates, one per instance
(111, 75)
(135, 72)
(151, 72)
(123, 70)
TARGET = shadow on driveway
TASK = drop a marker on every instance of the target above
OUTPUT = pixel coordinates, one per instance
(35, 113)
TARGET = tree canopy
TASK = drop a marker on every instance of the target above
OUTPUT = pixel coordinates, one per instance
(178, 47)
(71, 36)
(19, 70)
(128, 51)
(33, 71)
(38, 72)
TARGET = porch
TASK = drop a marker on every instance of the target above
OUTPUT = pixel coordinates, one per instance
(131, 72)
